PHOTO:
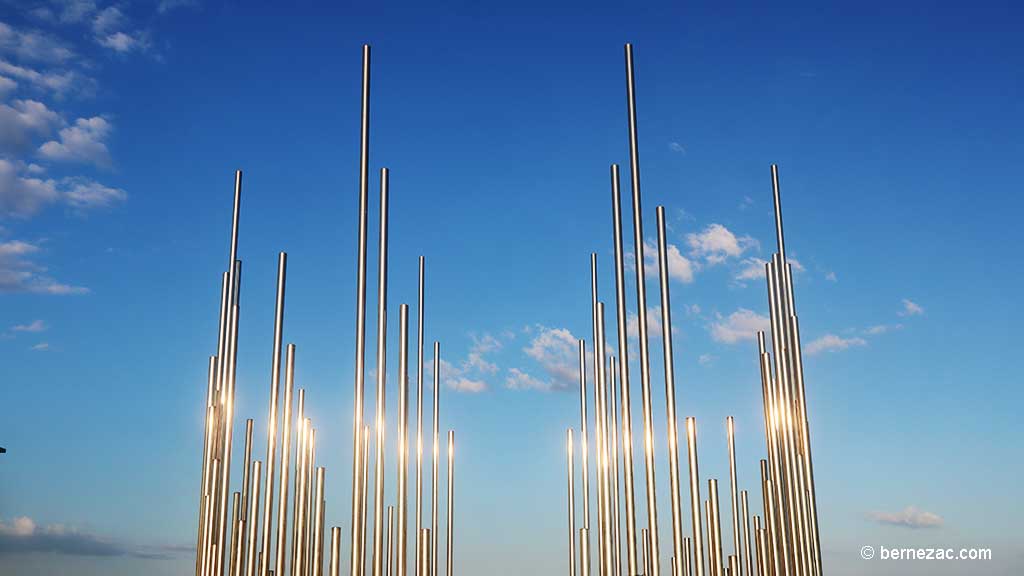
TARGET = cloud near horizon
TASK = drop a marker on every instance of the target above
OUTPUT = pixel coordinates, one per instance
(22, 535)
(909, 517)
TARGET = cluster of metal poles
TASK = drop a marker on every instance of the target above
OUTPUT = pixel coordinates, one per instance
(784, 541)
(256, 538)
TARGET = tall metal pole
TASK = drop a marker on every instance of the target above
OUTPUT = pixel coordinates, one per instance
(403, 439)
(584, 465)
(435, 399)
(730, 425)
(382, 293)
(419, 417)
(698, 538)
(451, 504)
(275, 386)
(614, 456)
(253, 522)
(286, 444)
(317, 556)
(601, 407)
(748, 564)
(641, 305)
(335, 566)
(599, 428)
(228, 403)
(389, 545)
(571, 486)
(670, 389)
(627, 418)
(355, 564)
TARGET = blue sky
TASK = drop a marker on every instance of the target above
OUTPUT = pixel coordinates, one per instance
(896, 129)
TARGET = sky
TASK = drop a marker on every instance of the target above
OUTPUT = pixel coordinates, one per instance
(896, 129)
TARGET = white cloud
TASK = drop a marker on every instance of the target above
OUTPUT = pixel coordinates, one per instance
(882, 328)
(747, 202)
(18, 273)
(76, 10)
(84, 194)
(909, 517)
(519, 380)
(715, 244)
(109, 27)
(33, 45)
(831, 343)
(82, 142)
(654, 328)
(680, 268)
(911, 308)
(168, 5)
(705, 359)
(22, 195)
(60, 83)
(831, 277)
(7, 86)
(34, 326)
(677, 147)
(753, 268)
(557, 352)
(24, 121)
(41, 347)
(23, 535)
(742, 324)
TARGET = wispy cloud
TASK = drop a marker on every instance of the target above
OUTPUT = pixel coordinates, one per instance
(909, 517)
(716, 243)
(23, 535)
(556, 350)
(82, 142)
(41, 347)
(706, 359)
(882, 329)
(20, 273)
(516, 379)
(677, 147)
(34, 326)
(743, 324)
(911, 308)
(469, 374)
(831, 277)
(831, 343)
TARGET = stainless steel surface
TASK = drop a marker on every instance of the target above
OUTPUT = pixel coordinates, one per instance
(378, 470)
(571, 487)
(419, 417)
(698, 538)
(275, 386)
(450, 529)
(401, 544)
(286, 444)
(730, 425)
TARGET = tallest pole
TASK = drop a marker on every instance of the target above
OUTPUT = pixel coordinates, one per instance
(641, 305)
(356, 564)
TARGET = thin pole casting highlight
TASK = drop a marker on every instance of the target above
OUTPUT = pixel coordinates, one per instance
(419, 418)
(382, 291)
(275, 385)
(451, 504)
(436, 455)
(571, 487)
(403, 438)
(286, 443)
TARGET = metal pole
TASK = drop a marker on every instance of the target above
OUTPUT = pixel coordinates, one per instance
(390, 544)
(286, 444)
(403, 438)
(275, 385)
(356, 564)
(419, 417)
(670, 389)
(436, 398)
(584, 465)
(730, 424)
(571, 486)
(698, 538)
(451, 503)
(747, 564)
(716, 523)
(335, 567)
(641, 301)
(627, 418)
(382, 292)
(614, 441)
(317, 556)
(599, 440)
(253, 523)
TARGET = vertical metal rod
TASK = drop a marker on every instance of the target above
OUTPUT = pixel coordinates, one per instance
(403, 439)
(246, 476)
(613, 443)
(762, 553)
(641, 305)
(234, 561)
(208, 527)
(238, 553)
(451, 504)
(211, 372)
(747, 563)
(670, 388)
(423, 547)
(730, 424)
(307, 540)
(275, 386)
(713, 564)
(364, 513)
(602, 413)
(382, 294)
(228, 414)
(627, 418)
(300, 455)
(584, 552)
(389, 544)
(716, 523)
(599, 441)
(335, 567)
(286, 444)
(584, 449)
(253, 522)
(355, 561)
(686, 556)
(698, 538)
(436, 400)
(734, 565)
(571, 487)
(419, 415)
(317, 556)
(299, 517)
(645, 544)
(776, 548)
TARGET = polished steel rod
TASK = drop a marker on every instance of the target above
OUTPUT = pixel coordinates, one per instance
(234, 562)
(228, 421)
(401, 548)
(641, 305)
(253, 522)
(584, 465)
(605, 470)
(584, 552)
(382, 292)
(599, 441)
(299, 515)
(670, 390)
(355, 563)
(730, 424)
(645, 543)
(450, 558)
(419, 416)
(335, 566)
(286, 444)
(211, 373)
(623, 352)
(436, 401)
(317, 555)
(275, 386)
(614, 457)
(246, 475)
(571, 487)
(747, 565)
(698, 537)
(389, 544)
